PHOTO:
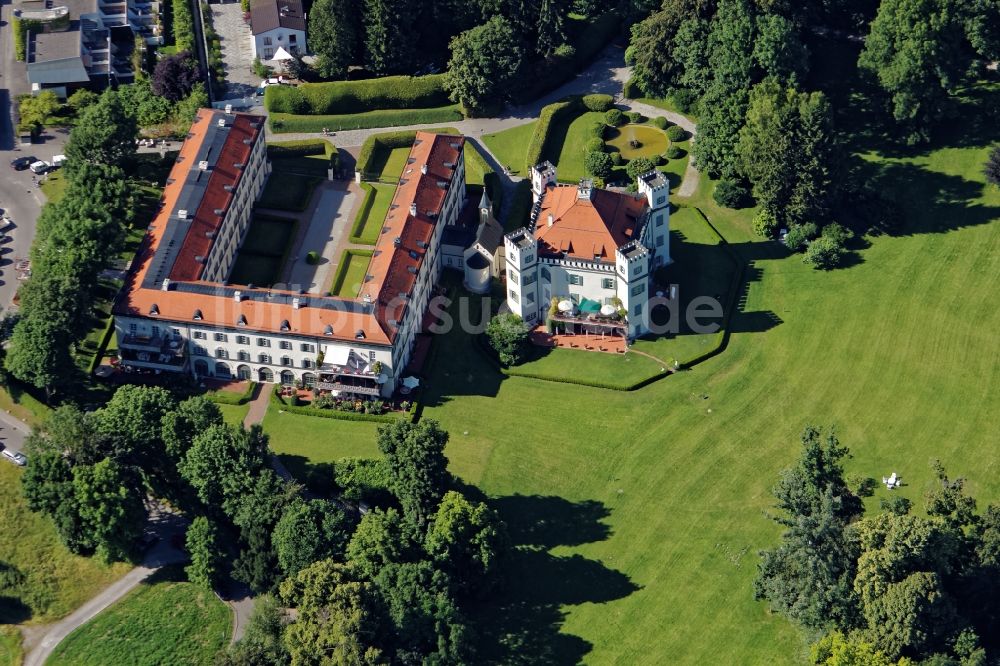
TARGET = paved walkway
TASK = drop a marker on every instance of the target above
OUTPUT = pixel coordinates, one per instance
(326, 226)
(163, 553)
(237, 58)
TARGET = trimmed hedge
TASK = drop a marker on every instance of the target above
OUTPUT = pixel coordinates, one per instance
(550, 114)
(385, 140)
(363, 211)
(660, 122)
(20, 39)
(300, 148)
(343, 97)
(230, 398)
(676, 133)
(286, 122)
(598, 102)
(676, 152)
(594, 145)
(631, 90)
(183, 25)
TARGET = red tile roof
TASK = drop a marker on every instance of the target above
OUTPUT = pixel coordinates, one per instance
(586, 229)
(390, 265)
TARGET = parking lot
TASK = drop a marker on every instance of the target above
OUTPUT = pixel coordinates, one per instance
(234, 34)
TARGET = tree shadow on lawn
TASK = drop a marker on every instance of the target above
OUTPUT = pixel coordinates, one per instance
(930, 201)
(523, 622)
(317, 477)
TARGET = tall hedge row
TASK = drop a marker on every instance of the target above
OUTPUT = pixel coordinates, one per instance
(183, 25)
(550, 114)
(391, 92)
(379, 141)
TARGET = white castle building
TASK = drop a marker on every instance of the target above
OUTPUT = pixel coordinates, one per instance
(590, 249)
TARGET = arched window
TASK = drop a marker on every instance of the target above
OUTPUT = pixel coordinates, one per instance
(243, 372)
(222, 370)
(309, 379)
(265, 375)
(287, 377)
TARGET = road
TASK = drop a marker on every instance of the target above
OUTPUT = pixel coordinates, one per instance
(12, 433)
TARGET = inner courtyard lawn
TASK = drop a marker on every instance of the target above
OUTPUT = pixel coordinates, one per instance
(164, 621)
(510, 146)
(373, 216)
(640, 514)
(350, 273)
(53, 581)
(262, 255)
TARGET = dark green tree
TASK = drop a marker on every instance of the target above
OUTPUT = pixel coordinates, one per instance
(598, 164)
(338, 620)
(809, 576)
(334, 28)
(223, 463)
(483, 62)
(131, 424)
(111, 515)
(203, 546)
(381, 538)
(417, 464)
(309, 531)
(256, 513)
(551, 30)
(180, 426)
(261, 644)
(778, 50)
(47, 482)
(508, 335)
(105, 134)
(468, 541)
(992, 167)
(390, 36)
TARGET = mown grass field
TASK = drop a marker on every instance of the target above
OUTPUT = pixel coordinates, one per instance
(10, 646)
(645, 509)
(164, 621)
(510, 146)
(350, 273)
(54, 582)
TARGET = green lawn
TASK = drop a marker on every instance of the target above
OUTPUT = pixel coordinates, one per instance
(234, 414)
(164, 621)
(370, 218)
(307, 445)
(54, 185)
(510, 146)
(642, 512)
(476, 166)
(566, 143)
(395, 160)
(350, 273)
(54, 581)
(10, 646)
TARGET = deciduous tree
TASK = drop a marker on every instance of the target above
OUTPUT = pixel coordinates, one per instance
(334, 27)
(508, 335)
(203, 546)
(110, 514)
(309, 531)
(419, 468)
(467, 540)
(105, 134)
(483, 61)
(176, 76)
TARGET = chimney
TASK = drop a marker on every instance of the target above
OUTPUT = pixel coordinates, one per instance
(203, 165)
(413, 209)
(423, 168)
(551, 219)
(229, 108)
(296, 303)
(237, 295)
(182, 214)
(166, 284)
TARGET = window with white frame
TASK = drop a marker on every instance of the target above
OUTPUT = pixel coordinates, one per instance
(514, 277)
(530, 279)
(608, 283)
(243, 339)
(306, 347)
(575, 279)
(220, 337)
(263, 358)
(263, 342)
(198, 335)
(285, 344)
(638, 289)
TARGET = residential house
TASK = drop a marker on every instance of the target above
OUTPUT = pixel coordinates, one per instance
(277, 24)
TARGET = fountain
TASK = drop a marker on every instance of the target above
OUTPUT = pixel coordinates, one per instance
(634, 140)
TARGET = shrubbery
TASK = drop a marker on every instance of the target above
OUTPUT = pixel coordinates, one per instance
(634, 116)
(550, 114)
(660, 122)
(675, 152)
(594, 146)
(312, 257)
(639, 166)
(598, 102)
(800, 235)
(731, 194)
(614, 117)
(631, 90)
(341, 97)
(284, 122)
(828, 251)
(598, 164)
(659, 160)
(508, 335)
(183, 25)
(598, 130)
(376, 142)
(616, 158)
(765, 224)
(676, 133)
(20, 39)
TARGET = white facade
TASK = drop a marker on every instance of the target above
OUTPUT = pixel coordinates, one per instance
(266, 44)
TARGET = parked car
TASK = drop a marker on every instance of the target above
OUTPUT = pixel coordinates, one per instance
(58, 160)
(40, 167)
(22, 163)
(15, 457)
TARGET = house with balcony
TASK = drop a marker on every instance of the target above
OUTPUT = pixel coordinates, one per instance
(85, 43)
(586, 258)
(179, 313)
(277, 24)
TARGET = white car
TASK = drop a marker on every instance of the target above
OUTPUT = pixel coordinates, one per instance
(40, 167)
(15, 457)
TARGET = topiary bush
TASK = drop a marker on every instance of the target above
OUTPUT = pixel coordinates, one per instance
(598, 102)
(631, 89)
(616, 158)
(660, 122)
(594, 145)
(828, 251)
(615, 117)
(336, 97)
(598, 130)
(312, 258)
(659, 160)
(765, 224)
(731, 194)
(676, 133)
(634, 116)
(676, 152)
(639, 166)
(598, 164)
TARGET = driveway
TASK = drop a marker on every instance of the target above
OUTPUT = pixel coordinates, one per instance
(234, 34)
